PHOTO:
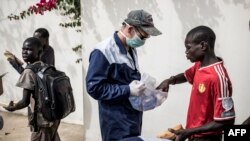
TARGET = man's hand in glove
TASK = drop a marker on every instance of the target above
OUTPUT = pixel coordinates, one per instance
(136, 88)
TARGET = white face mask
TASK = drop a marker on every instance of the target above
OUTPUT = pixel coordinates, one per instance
(133, 42)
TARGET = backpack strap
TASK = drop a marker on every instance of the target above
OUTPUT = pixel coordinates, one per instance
(40, 68)
(41, 72)
(46, 67)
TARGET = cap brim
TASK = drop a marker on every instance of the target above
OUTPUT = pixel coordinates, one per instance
(151, 30)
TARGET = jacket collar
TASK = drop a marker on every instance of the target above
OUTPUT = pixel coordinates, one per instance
(119, 43)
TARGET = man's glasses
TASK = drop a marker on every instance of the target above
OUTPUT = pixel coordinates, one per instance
(141, 36)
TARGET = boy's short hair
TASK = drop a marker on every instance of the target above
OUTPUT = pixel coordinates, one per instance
(44, 32)
(202, 33)
(36, 42)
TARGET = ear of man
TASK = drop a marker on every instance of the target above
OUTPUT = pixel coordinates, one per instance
(204, 45)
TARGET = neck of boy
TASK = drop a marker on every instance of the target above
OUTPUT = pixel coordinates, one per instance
(208, 60)
(31, 62)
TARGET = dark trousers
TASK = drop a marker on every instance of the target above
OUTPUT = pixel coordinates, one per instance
(47, 133)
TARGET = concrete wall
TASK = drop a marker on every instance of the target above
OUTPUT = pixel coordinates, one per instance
(164, 56)
(12, 35)
(161, 56)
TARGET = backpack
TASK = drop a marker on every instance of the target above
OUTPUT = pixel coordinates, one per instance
(54, 94)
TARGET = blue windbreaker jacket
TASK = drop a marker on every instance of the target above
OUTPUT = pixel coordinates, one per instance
(111, 69)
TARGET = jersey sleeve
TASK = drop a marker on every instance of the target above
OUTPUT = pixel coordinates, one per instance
(222, 94)
(189, 73)
(27, 80)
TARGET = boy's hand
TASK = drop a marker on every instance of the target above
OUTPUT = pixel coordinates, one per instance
(164, 86)
(12, 58)
(9, 56)
(181, 135)
(11, 107)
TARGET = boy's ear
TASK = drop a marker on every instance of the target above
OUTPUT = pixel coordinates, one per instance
(204, 45)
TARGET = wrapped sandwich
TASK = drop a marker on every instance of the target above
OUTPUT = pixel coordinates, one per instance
(169, 135)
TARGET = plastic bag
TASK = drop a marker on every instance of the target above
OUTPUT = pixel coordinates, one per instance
(150, 98)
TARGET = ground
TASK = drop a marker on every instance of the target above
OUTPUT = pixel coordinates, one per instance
(16, 129)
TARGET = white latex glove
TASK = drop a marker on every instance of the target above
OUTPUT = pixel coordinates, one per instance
(136, 88)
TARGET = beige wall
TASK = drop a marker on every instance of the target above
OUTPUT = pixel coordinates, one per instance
(161, 57)
(12, 35)
(164, 56)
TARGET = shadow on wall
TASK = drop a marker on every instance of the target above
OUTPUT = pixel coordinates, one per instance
(14, 32)
(245, 3)
(8, 30)
(200, 12)
(197, 12)
(116, 10)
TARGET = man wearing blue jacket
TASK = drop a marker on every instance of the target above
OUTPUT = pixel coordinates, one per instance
(113, 75)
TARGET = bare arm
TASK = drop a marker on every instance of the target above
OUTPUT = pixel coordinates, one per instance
(18, 67)
(177, 79)
(247, 121)
(24, 102)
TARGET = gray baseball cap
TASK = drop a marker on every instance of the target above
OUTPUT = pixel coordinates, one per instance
(143, 20)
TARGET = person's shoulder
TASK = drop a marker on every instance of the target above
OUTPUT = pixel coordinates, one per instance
(195, 65)
(34, 67)
(27, 76)
(27, 79)
(50, 48)
(28, 71)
